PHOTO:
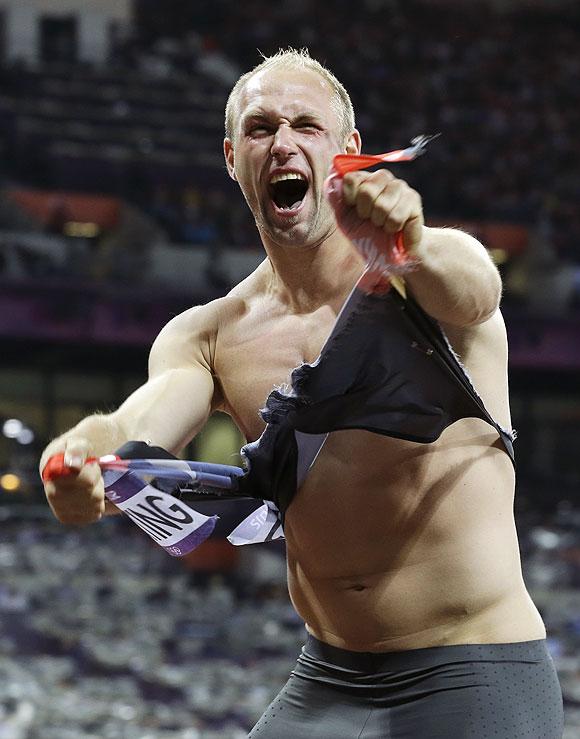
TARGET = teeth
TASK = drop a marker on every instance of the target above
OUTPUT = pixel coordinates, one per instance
(286, 176)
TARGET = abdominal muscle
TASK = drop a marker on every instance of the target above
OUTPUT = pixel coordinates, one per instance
(393, 545)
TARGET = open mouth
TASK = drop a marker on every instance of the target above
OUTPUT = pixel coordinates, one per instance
(288, 190)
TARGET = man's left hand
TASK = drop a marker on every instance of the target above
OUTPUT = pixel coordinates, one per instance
(389, 203)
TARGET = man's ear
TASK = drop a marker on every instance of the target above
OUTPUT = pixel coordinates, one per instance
(229, 157)
(353, 143)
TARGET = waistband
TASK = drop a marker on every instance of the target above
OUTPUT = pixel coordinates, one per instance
(526, 651)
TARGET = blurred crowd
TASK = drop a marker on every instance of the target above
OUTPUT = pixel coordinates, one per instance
(104, 636)
(505, 102)
(148, 127)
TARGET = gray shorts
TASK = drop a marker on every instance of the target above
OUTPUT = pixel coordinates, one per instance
(471, 691)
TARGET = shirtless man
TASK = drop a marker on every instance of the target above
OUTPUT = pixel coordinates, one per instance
(405, 566)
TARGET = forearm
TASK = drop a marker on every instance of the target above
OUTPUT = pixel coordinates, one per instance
(168, 409)
(456, 281)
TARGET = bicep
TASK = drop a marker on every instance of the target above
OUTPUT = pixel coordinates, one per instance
(170, 408)
(483, 351)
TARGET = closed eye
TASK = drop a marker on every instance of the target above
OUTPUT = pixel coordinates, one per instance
(306, 125)
(308, 128)
(259, 130)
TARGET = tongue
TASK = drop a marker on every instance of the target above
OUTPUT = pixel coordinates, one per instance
(289, 206)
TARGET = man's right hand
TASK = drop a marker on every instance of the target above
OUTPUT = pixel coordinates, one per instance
(162, 410)
(78, 495)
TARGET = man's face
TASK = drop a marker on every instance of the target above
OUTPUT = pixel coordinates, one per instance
(286, 134)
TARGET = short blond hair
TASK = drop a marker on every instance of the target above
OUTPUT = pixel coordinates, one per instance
(295, 59)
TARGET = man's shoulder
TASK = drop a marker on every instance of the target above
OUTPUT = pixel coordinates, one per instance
(200, 325)
(197, 324)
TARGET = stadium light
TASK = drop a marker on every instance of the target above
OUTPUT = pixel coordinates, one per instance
(12, 427)
(10, 482)
(26, 436)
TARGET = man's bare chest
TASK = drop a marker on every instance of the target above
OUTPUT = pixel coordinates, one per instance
(256, 357)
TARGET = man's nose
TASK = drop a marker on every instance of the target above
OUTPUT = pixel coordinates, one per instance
(283, 145)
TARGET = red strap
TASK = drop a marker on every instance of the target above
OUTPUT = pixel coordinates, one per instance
(55, 467)
(344, 163)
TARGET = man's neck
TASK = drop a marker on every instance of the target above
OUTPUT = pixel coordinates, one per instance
(307, 277)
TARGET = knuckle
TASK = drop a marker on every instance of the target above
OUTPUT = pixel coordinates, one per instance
(412, 195)
(372, 194)
(363, 204)
(382, 176)
(366, 196)
(350, 183)
(399, 189)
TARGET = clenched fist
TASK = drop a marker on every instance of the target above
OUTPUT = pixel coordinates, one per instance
(388, 203)
(75, 490)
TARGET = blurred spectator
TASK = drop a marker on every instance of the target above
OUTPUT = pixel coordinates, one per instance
(507, 107)
(544, 283)
(455, 69)
(103, 635)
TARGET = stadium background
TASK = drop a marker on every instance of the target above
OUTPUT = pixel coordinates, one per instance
(116, 213)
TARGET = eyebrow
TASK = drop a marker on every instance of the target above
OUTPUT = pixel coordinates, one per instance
(307, 118)
(261, 115)
(253, 115)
